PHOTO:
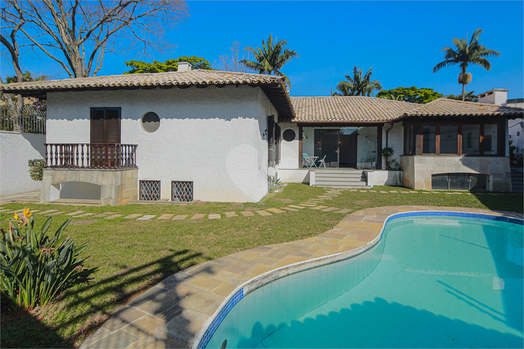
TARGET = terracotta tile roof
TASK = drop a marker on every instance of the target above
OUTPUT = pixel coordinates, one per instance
(273, 86)
(348, 109)
(185, 78)
(452, 107)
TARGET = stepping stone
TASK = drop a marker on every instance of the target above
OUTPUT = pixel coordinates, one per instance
(308, 205)
(104, 214)
(318, 207)
(198, 216)
(426, 192)
(363, 191)
(180, 217)
(404, 192)
(449, 193)
(372, 191)
(323, 196)
(414, 192)
(214, 216)
(295, 206)
(329, 209)
(146, 217)
(346, 210)
(114, 216)
(264, 213)
(166, 216)
(247, 213)
(74, 213)
(54, 214)
(231, 214)
(384, 192)
(393, 191)
(290, 209)
(353, 190)
(275, 210)
(84, 215)
(134, 215)
(48, 211)
(8, 209)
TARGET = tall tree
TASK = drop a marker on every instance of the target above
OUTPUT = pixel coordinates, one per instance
(271, 57)
(466, 54)
(469, 97)
(410, 94)
(232, 62)
(168, 65)
(358, 85)
(76, 34)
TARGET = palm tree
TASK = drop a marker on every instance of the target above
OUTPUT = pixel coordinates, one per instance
(465, 54)
(358, 85)
(271, 57)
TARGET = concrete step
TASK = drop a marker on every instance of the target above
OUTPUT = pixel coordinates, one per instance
(334, 178)
(346, 186)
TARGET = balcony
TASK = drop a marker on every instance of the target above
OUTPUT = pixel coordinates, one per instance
(90, 156)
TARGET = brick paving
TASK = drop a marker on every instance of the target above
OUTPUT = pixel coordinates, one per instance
(177, 311)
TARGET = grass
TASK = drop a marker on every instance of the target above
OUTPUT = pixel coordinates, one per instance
(130, 256)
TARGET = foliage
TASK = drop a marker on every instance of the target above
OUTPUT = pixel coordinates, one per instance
(358, 85)
(466, 54)
(25, 77)
(410, 94)
(270, 58)
(515, 158)
(273, 183)
(169, 65)
(392, 165)
(35, 267)
(468, 96)
(77, 34)
(36, 169)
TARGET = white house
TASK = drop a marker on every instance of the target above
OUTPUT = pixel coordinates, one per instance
(217, 136)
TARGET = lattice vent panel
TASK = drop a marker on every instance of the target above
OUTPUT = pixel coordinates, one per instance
(150, 190)
(182, 191)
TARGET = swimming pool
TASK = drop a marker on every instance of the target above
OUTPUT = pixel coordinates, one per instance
(432, 281)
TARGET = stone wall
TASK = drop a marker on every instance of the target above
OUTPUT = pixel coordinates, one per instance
(117, 187)
(417, 169)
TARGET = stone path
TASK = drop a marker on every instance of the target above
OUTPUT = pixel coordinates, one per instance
(177, 311)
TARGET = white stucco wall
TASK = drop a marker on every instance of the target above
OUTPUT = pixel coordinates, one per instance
(211, 136)
(16, 149)
(290, 156)
(395, 141)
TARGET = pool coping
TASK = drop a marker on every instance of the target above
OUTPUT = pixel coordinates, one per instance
(185, 309)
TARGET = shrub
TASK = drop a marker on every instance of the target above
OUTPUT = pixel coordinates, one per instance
(36, 169)
(34, 266)
(392, 165)
(273, 183)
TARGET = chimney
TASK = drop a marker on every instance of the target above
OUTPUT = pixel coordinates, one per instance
(498, 96)
(184, 66)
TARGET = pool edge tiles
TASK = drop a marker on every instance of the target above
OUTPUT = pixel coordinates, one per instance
(275, 274)
(189, 298)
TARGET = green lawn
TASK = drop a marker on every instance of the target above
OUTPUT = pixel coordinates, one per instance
(130, 256)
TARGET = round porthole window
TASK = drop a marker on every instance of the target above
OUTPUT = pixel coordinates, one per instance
(289, 135)
(150, 122)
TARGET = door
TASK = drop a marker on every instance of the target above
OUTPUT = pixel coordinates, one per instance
(348, 150)
(104, 136)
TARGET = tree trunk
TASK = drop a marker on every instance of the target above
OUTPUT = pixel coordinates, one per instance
(463, 89)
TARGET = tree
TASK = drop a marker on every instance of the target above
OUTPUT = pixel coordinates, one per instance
(270, 58)
(168, 65)
(76, 34)
(469, 96)
(233, 62)
(410, 94)
(358, 85)
(466, 54)
(27, 76)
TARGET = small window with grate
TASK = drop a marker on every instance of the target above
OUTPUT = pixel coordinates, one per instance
(150, 190)
(181, 191)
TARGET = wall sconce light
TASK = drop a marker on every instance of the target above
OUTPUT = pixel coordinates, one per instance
(305, 135)
(265, 132)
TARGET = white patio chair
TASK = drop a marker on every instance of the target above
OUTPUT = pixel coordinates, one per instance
(322, 162)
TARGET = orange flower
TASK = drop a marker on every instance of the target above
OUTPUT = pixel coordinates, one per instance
(26, 212)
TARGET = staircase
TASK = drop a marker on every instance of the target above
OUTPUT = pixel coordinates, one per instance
(516, 180)
(340, 178)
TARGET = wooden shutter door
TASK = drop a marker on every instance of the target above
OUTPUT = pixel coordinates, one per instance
(112, 127)
(97, 125)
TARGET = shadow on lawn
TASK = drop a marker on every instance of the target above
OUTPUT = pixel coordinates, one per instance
(113, 290)
(510, 202)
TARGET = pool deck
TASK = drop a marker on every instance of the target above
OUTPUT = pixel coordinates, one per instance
(174, 313)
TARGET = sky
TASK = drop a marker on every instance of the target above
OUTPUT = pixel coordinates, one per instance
(401, 41)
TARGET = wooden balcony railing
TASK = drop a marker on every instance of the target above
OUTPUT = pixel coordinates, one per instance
(90, 155)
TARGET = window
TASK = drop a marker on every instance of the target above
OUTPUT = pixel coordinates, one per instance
(470, 139)
(429, 139)
(459, 181)
(150, 122)
(490, 139)
(150, 190)
(181, 191)
(289, 135)
(448, 139)
(273, 141)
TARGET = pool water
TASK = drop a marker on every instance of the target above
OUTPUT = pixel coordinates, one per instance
(431, 282)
